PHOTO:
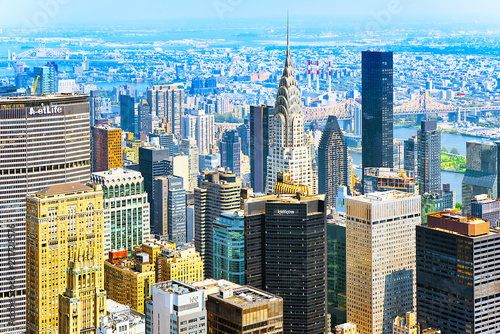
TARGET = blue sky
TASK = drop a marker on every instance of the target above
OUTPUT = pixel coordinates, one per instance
(17, 13)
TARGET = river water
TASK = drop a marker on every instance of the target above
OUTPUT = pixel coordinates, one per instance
(448, 140)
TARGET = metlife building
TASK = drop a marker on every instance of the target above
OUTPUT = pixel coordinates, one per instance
(44, 140)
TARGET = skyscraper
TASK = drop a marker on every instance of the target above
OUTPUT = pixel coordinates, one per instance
(36, 159)
(107, 148)
(64, 223)
(458, 274)
(126, 208)
(285, 242)
(336, 270)
(127, 113)
(95, 107)
(218, 193)
(429, 157)
(410, 154)
(380, 257)
(83, 301)
(229, 247)
(332, 161)
(45, 77)
(481, 175)
(377, 108)
(167, 102)
(260, 125)
(288, 150)
(153, 162)
(188, 147)
(143, 113)
(170, 208)
(230, 151)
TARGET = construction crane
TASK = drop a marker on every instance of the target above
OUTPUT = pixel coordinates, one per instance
(34, 87)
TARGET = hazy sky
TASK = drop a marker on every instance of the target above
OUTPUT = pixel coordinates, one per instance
(49, 12)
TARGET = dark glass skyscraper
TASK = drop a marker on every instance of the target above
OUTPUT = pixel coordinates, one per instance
(332, 161)
(170, 208)
(429, 157)
(410, 154)
(127, 113)
(260, 122)
(153, 163)
(285, 242)
(377, 109)
(230, 151)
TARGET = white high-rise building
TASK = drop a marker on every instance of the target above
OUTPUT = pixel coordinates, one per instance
(381, 258)
(199, 126)
(288, 150)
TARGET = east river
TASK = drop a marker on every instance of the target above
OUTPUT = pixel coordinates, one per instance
(448, 140)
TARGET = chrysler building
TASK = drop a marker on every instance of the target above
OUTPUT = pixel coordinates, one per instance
(288, 151)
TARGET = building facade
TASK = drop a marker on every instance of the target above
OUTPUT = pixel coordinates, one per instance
(183, 264)
(167, 102)
(261, 118)
(332, 161)
(288, 150)
(377, 108)
(230, 152)
(429, 157)
(188, 147)
(49, 143)
(486, 208)
(389, 179)
(336, 270)
(63, 221)
(128, 280)
(107, 148)
(285, 242)
(458, 274)
(219, 192)
(127, 113)
(481, 175)
(229, 247)
(126, 208)
(83, 302)
(410, 154)
(380, 259)
(170, 208)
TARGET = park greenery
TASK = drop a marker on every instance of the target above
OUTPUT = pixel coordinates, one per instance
(453, 162)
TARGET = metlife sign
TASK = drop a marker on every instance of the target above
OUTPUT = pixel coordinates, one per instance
(45, 110)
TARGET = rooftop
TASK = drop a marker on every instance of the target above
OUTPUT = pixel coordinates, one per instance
(452, 222)
(383, 196)
(175, 287)
(117, 171)
(63, 188)
(244, 296)
(19, 99)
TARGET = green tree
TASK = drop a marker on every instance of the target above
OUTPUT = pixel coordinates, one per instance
(444, 150)
(454, 151)
(458, 206)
